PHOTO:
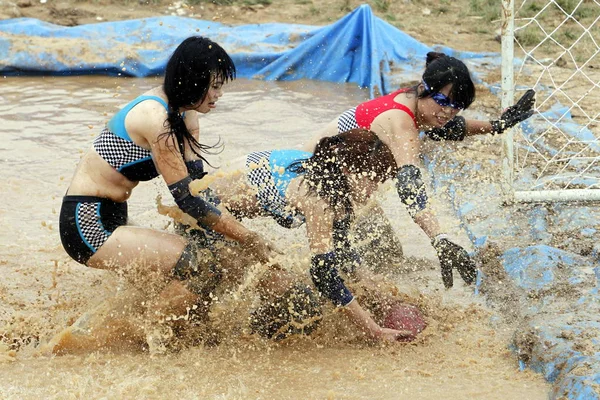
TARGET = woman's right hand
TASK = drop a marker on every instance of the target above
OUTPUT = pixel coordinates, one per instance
(391, 335)
(375, 332)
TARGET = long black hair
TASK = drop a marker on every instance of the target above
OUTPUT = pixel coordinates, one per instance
(359, 151)
(188, 76)
(442, 70)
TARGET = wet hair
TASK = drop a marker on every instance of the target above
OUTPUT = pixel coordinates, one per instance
(442, 70)
(359, 151)
(188, 77)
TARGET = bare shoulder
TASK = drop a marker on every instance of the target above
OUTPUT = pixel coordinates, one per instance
(146, 121)
(392, 125)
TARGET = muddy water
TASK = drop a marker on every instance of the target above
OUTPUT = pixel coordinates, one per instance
(46, 124)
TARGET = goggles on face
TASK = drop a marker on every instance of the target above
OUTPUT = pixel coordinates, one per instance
(442, 100)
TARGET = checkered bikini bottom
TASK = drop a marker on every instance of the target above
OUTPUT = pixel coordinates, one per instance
(347, 121)
(86, 222)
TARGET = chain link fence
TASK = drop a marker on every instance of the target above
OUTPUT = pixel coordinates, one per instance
(554, 47)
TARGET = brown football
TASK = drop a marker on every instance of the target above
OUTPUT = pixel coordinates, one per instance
(406, 317)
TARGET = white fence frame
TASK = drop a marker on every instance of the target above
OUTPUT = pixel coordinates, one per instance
(508, 97)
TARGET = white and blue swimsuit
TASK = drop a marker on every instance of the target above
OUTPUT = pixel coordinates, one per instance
(269, 174)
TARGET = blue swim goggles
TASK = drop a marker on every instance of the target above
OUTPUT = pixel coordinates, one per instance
(443, 100)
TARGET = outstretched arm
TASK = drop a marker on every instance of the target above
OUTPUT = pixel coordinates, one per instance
(405, 145)
(324, 271)
(324, 274)
(459, 127)
(178, 176)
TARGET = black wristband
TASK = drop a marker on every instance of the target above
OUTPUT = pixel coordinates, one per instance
(203, 211)
(196, 169)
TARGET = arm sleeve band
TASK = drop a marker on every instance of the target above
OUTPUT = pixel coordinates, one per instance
(455, 129)
(411, 189)
(192, 205)
(195, 169)
(324, 274)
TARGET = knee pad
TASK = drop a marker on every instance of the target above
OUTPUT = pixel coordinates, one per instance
(201, 278)
(186, 266)
(205, 281)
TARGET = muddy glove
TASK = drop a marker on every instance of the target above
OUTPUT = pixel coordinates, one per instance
(451, 256)
(516, 113)
(455, 129)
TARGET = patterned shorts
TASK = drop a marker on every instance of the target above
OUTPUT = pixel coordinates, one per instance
(86, 222)
(268, 196)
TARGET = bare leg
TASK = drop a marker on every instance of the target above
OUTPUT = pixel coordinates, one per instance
(136, 251)
(146, 258)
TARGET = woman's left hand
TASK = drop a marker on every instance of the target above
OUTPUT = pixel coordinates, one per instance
(392, 335)
(523, 109)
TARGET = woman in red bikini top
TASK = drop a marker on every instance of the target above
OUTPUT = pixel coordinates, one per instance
(431, 106)
(446, 88)
(456, 97)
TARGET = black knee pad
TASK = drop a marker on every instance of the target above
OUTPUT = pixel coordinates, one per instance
(187, 265)
(201, 276)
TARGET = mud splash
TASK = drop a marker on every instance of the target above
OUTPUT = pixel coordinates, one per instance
(461, 354)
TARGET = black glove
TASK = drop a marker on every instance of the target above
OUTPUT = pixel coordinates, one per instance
(516, 113)
(455, 129)
(451, 256)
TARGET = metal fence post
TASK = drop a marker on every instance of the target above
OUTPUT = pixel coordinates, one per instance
(508, 38)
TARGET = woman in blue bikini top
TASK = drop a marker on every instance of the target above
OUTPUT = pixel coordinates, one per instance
(156, 134)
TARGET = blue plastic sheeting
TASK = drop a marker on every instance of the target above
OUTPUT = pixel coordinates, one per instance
(565, 351)
(359, 48)
(536, 267)
(559, 116)
(563, 322)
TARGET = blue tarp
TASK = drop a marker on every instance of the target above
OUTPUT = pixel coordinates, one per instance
(359, 48)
